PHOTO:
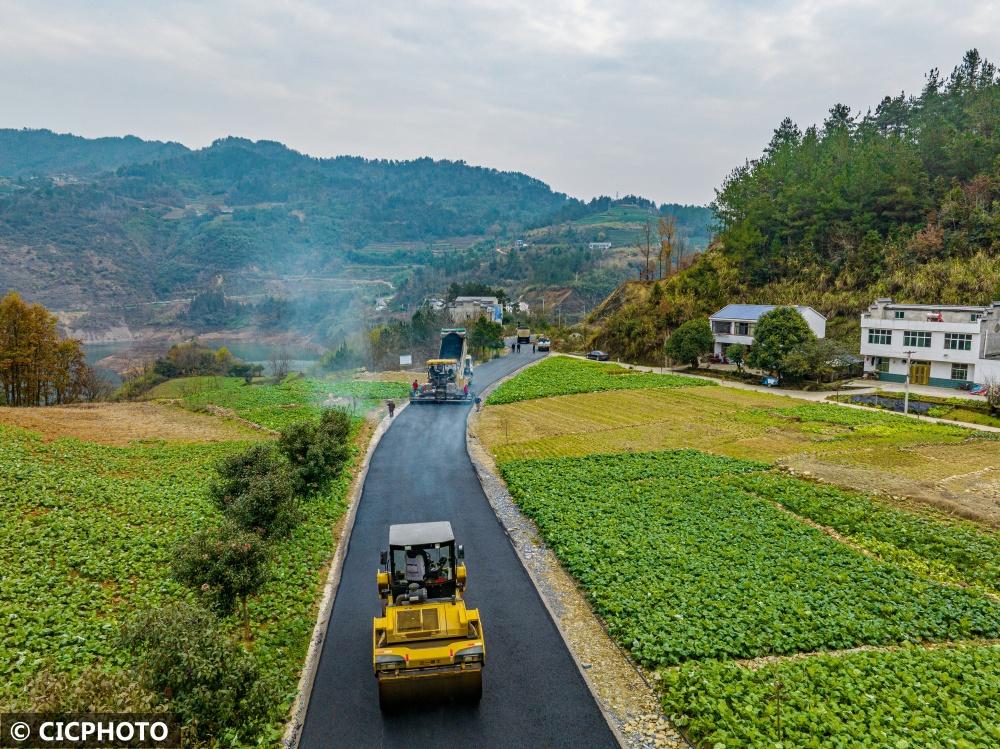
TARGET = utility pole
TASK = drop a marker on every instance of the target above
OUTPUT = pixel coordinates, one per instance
(906, 390)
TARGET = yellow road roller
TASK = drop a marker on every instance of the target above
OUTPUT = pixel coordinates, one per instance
(426, 644)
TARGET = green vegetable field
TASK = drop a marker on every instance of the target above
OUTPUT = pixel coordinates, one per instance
(688, 560)
(927, 541)
(85, 541)
(912, 698)
(275, 406)
(560, 375)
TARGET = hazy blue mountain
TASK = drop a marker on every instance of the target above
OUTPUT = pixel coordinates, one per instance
(42, 153)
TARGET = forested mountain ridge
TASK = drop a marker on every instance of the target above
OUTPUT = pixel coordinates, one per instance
(30, 153)
(259, 213)
(902, 201)
(152, 229)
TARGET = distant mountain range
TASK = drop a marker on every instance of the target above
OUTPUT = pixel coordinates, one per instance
(113, 224)
(42, 153)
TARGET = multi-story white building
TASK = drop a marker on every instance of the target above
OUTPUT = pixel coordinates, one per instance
(736, 323)
(945, 345)
(466, 308)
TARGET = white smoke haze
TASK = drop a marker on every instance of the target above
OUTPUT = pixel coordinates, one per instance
(655, 98)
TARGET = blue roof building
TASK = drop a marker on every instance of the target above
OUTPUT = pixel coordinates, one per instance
(736, 323)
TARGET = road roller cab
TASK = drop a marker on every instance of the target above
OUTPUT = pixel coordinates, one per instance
(426, 644)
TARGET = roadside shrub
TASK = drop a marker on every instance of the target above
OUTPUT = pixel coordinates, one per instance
(212, 684)
(93, 690)
(317, 452)
(227, 564)
(256, 490)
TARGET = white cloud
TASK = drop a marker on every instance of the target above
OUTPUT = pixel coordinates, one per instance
(659, 98)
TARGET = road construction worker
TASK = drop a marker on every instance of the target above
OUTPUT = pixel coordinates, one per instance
(391, 404)
(415, 386)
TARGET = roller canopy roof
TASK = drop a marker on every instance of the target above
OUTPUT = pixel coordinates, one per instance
(420, 534)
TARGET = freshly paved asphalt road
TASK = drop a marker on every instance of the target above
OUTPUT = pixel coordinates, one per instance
(533, 694)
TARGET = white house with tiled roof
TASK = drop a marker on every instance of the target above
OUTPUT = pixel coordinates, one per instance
(736, 323)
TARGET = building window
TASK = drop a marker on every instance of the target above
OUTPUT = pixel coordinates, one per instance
(742, 328)
(724, 328)
(900, 314)
(958, 341)
(960, 371)
(882, 363)
(917, 338)
(975, 317)
(879, 336)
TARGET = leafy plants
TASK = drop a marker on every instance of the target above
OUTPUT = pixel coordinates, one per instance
(87, 538)
(911, 698)
(683, 564)
(560, 375)
(226, 563)
(214, 686)
(317, 451)
(254, 489)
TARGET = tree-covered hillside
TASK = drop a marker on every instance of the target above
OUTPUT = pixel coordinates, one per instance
(42, 153)
(118, 238)
(152, 229)
(902, 201)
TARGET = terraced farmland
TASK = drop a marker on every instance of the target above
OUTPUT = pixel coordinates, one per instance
(275, 406)
(688, 558)
(776, 611)
(950, 467)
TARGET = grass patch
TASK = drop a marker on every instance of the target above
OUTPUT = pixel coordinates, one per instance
(560, 375)
(277, 405)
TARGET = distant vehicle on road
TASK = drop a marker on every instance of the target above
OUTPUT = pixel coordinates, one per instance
(524, 335)
(543, 344)
(450, 375)
(426, 643)
(598, 356)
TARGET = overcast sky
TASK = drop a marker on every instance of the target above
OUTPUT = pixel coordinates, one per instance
(656, 98)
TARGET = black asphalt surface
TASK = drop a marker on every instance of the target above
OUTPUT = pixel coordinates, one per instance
(533, 694)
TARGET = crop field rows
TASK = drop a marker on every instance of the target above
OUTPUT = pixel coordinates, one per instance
(735, 577)
(941, 465)
(94, 527)
(773, 611)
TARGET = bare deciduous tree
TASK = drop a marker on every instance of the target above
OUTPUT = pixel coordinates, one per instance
(645, 242)
(666, 228)
(279, 361)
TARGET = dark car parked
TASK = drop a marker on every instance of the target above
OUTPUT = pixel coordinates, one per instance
(598, 356)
